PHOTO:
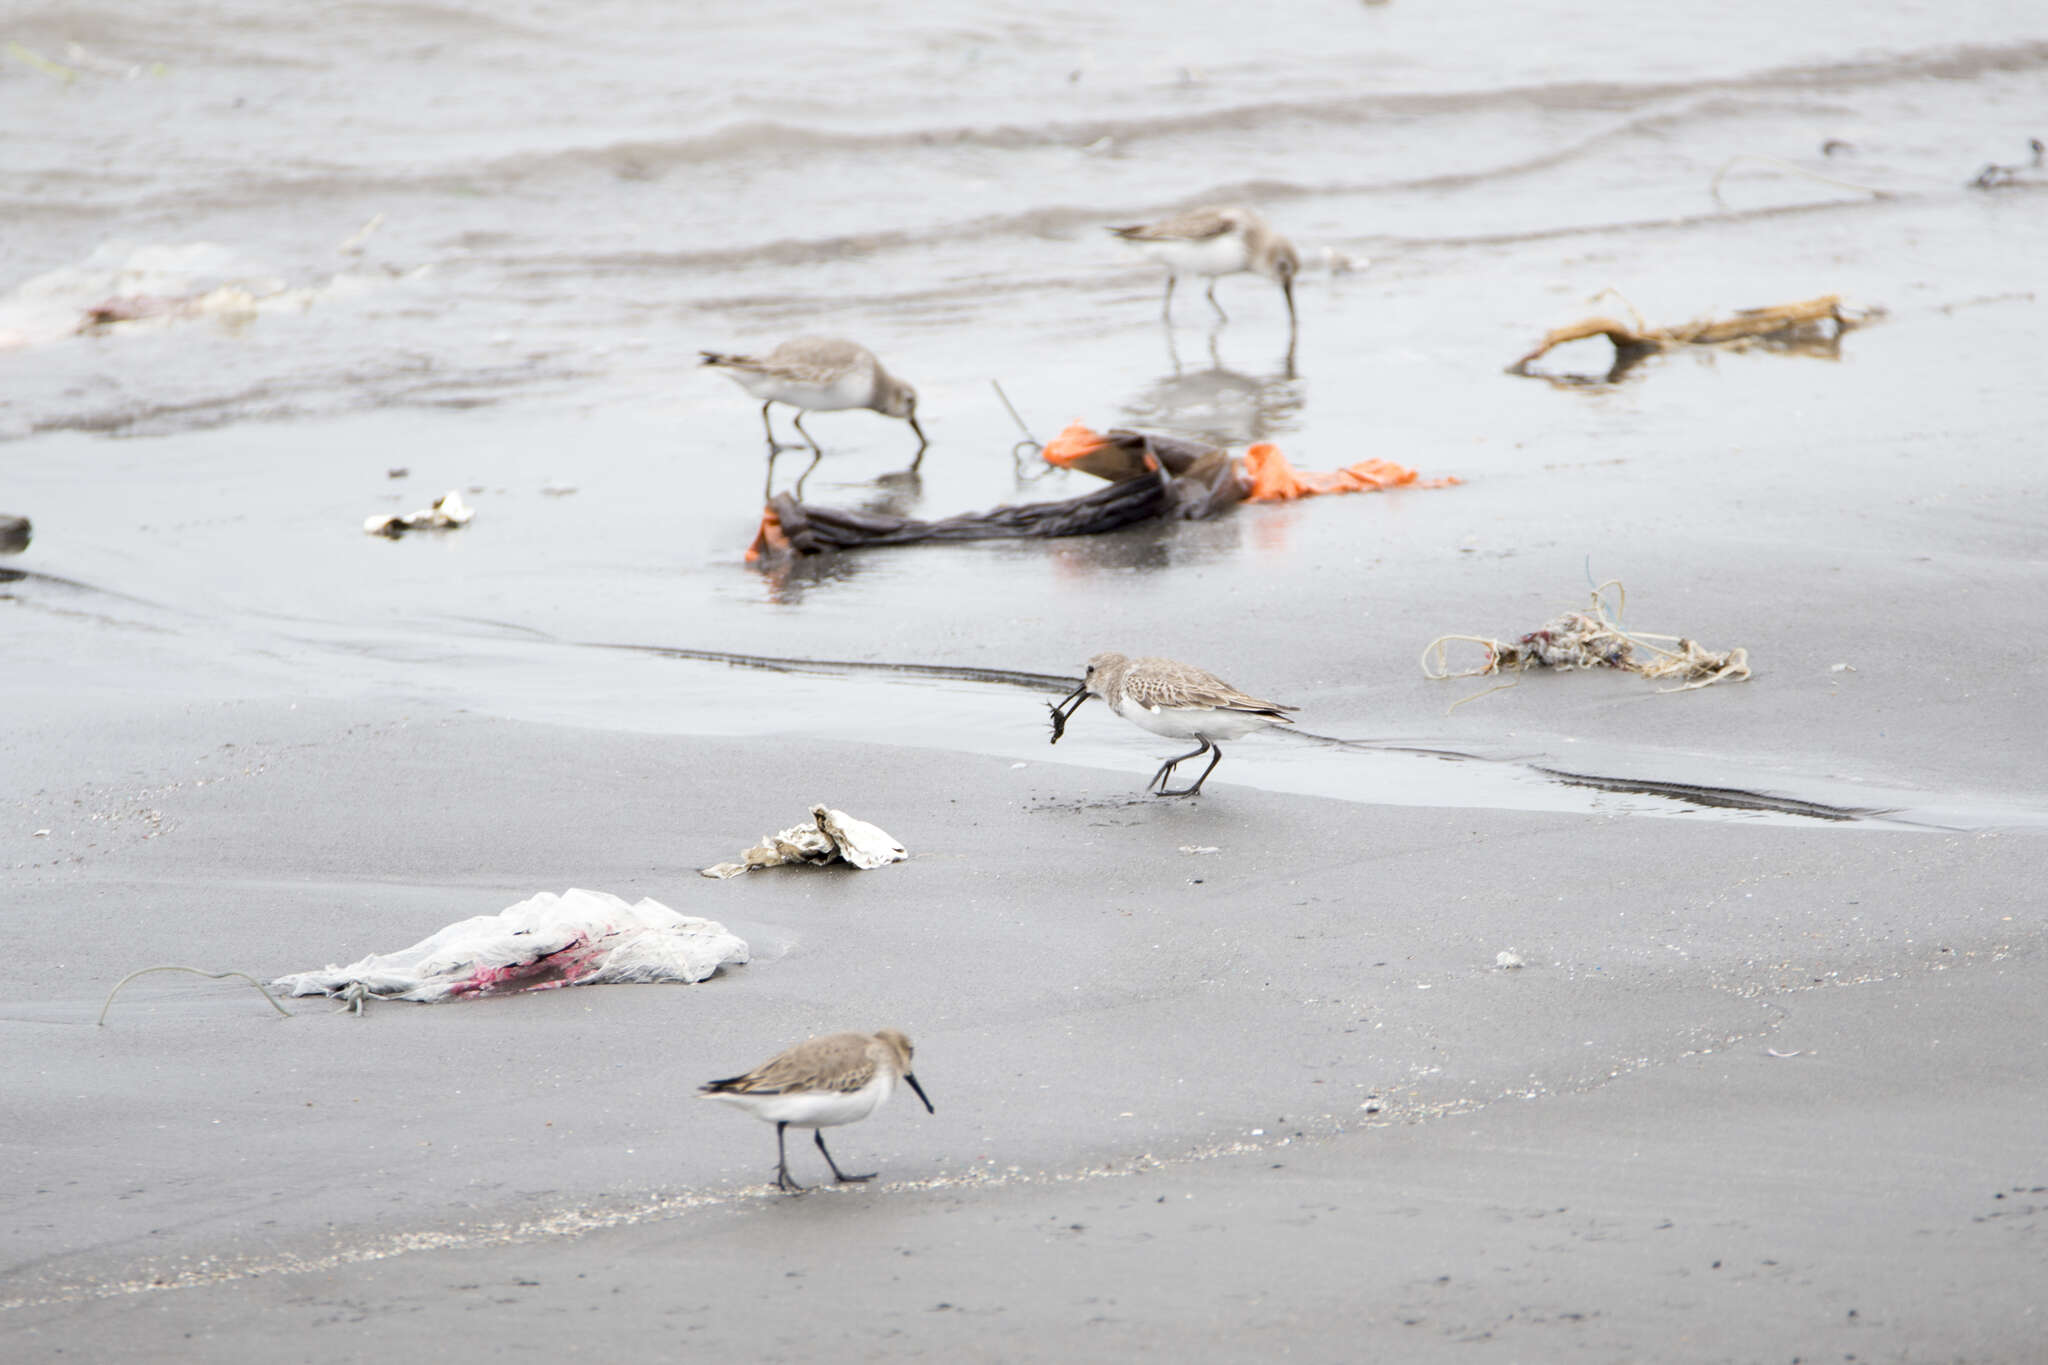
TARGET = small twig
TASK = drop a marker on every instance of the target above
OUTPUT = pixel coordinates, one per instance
(214, 976)
(1726, 166)
(1626, 302)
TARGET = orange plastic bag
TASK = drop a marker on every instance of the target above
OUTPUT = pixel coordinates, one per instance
(1273, 479)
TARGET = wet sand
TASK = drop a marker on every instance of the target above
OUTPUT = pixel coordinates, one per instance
(1759, 1088)
(1212, 1077)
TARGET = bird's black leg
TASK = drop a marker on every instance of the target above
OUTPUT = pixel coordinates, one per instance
(1212, 299)
(837, 1174)
(815, 457)
(1166, 309)
(1196, 790)
(782, 1179)
(769, 427)
(817, 454)
(1159, 778)
(799, 420)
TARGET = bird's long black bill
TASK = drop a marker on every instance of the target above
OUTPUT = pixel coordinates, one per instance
(922, 440)
(1287, 291)
(912, 1081)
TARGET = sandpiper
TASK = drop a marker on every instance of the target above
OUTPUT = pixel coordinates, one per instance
(1215, 242)
(819, 374)
(1173, 699)
(819, 1084)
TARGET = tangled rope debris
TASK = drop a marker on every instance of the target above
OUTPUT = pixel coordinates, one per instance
(196, 971)
(1592, 638)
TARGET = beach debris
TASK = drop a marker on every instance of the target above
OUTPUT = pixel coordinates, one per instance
(1593, 638)
(831, 836)
(1508, 960)
(36, 61)
(1714, 186)
(124, 287)
(1261, 474)
(196, 971)
(1997, 177)
(1151, 477)
(579, 938)
(360, 238)
(1814, 326)
(790, 528)
(448, 512)
(15, 533)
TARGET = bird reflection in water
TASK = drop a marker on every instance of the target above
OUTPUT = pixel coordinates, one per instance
(1218, 404)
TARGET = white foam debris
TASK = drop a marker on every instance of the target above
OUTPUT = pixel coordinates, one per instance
(1508, 960)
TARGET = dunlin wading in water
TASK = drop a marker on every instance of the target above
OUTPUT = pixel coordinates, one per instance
(819, 374)
(1216, 242)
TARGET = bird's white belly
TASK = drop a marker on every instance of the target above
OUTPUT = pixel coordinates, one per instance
(815, 1108)
(1223, 254)
(1192, 723)
(850, 390)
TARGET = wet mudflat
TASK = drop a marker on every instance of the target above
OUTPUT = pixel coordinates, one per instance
(246, 735)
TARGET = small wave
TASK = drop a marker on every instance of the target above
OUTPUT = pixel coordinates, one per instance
(767, 138)
(780, 141)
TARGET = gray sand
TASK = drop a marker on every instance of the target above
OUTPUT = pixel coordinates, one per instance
(1214, 1078)
(1299, 1041)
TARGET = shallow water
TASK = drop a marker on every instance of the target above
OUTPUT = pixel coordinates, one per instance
(483, 245)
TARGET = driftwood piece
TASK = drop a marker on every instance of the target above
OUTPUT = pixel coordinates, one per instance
(1819, 319)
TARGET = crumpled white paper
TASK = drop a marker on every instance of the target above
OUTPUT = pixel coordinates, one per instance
(832, 836)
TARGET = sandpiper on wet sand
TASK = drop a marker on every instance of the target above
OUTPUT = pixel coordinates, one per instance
(819, 1084)
(1173, 699)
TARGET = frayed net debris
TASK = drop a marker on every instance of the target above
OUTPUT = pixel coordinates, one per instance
(1591, 639)
(832, 836)
(579, 938)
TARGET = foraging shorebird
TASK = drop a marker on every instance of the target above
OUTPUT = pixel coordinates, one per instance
(819, 1084)
(1216, 242)
(819, 374)
(1173, 699)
